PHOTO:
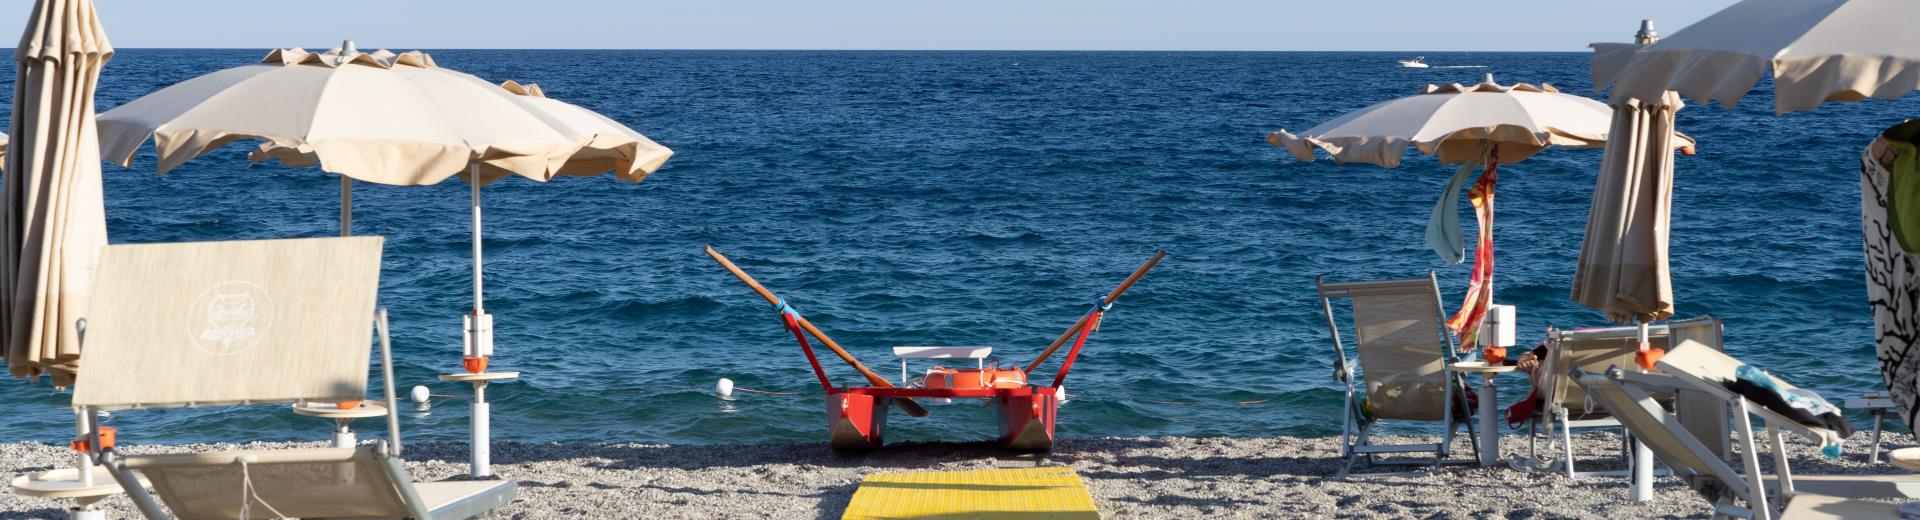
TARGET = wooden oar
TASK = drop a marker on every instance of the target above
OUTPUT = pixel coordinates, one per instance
(1082, 322)
(912, 408)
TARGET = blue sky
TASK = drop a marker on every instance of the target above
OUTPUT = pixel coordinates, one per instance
(1389, 25)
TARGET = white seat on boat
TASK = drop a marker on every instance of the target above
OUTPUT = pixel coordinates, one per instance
(976, 353)
(942, 352)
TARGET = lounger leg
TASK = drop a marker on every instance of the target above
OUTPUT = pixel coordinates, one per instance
(1642, 471)
(1780, 471)
(1353, 452)
(1756, 485)
(1566, 439)
(1873, 456)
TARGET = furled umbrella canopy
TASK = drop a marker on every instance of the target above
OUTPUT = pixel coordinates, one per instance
(53, 223)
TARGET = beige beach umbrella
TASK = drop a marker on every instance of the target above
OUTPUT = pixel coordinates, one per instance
(391, 119)
(1486, 124)
(1459, 123)
(1622, 269)
(380, 117)
(1816, 50)
(54, 220)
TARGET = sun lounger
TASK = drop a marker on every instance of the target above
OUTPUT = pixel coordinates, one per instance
(1740, 493)
(1404, 362)
(1567, 407)
(1595, 350)
(256, 322)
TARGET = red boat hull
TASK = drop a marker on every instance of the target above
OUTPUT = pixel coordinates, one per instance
(857, 417)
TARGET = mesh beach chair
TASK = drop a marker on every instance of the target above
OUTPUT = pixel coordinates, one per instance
(254, 322)
(1567, 406)
(1404, 367)
(1696, 368)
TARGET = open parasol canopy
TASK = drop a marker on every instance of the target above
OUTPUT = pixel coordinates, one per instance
(1458, 123)
(1816, 50)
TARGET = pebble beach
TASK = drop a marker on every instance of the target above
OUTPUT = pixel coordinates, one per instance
(1129, 477)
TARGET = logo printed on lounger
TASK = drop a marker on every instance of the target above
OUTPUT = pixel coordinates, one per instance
(230, 317)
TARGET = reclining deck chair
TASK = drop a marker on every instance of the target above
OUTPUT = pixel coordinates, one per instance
(1595, 350)
(254, 322)
(1405, 359)
(1694, 367)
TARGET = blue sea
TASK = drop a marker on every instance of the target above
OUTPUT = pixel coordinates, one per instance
(986, 198)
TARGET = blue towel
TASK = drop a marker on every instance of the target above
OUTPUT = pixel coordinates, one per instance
(1443, 228)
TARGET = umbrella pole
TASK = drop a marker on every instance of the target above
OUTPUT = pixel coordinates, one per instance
(478, 307)
(479, 347)
(1642, 456)
(346, 206)
(84, 426)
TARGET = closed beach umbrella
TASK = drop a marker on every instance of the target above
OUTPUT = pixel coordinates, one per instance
(1622, 269)
(3, 151)
(54, 221)
(1486, 124)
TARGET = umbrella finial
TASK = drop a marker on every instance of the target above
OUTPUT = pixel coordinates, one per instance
(347, 48)
(1646, 35)
(1488, 79)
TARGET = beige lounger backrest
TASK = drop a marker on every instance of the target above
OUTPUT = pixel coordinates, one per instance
(305, 483)
(215, 323)
(1592, 350)
(1401, 347)
(1704, 415)
(1707, 364)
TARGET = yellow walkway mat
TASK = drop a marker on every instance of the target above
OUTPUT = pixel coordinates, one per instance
(1048, 492)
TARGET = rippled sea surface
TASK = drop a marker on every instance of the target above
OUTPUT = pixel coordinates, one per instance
(986, 198)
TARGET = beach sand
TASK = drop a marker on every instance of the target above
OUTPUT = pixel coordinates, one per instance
(1157, 477)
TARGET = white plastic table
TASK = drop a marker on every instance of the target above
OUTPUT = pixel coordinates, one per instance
(481, 464)
(976, 353)
(342, 435)
(1489, 428)
(1878, 404)
(66, 483)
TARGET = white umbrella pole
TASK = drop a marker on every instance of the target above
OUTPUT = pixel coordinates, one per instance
(346, 206)
(478, 306)
(479, 345)
(1642, 456)
(85, 468)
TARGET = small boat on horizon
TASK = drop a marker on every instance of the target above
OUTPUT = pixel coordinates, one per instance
(1418, 62)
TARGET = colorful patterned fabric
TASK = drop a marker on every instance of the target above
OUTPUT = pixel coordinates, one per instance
(1465, 324)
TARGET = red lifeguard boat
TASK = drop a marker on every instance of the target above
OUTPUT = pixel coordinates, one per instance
(857, 415)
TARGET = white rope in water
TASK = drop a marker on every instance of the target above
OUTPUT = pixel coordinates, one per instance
(248, 497)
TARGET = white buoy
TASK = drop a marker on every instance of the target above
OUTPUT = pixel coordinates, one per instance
(724, 388)
(1063, 394)
(419, 394)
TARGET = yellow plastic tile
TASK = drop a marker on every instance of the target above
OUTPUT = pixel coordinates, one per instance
(1049, 492)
